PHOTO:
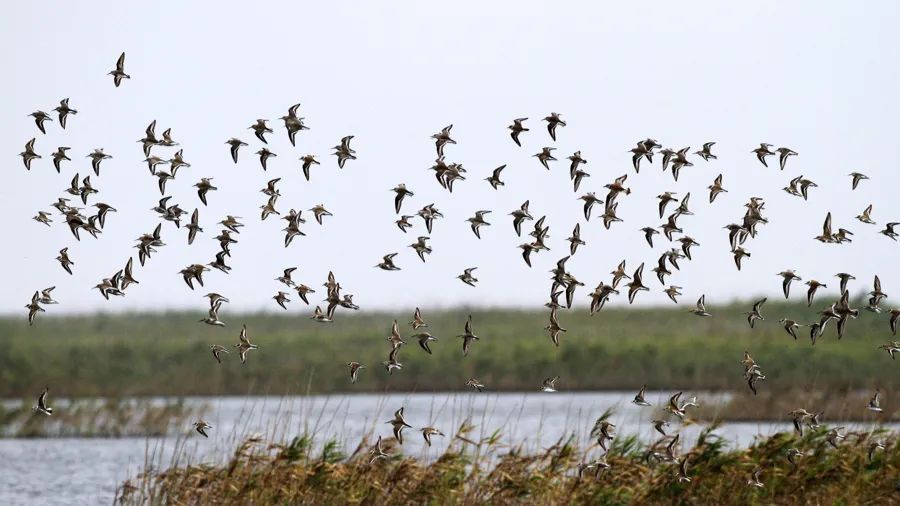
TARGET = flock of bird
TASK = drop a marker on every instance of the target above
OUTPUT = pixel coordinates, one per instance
(563, 283)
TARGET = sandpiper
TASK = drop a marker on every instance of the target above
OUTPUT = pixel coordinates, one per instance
(244, 345)
(119, 72)
(716, 188)
(235, 144)
(28, 155)
(475, 384)
(874, 404)
(308, 162)
(387, 263)
(264, 155)
(552, 122)
(468, 336)
(762, 152)
(515, 129)
(427, 432)
(546, 155)
(354, 370)
(467, 278)
(639, 398)
(494, 180)
(398, 423)
(41, 406)
(34, 307)
(217, 350)
(201, 427)
(706, 154)
(260, 129)
(549, 384)
(754, 314)
(63, 110)
(857, 177)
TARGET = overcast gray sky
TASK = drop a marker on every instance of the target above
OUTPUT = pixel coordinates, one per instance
(819, 77)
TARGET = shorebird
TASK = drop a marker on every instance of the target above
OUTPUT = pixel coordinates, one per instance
(319, 212)
(59, 155)
(494, 180)
(96, 157)
(320, 316)
(302, 291)
(119, 72)
(423, 338)
(213, 317)
(827, 235)
(293, 123)
(672, 292)
(244, 345)
(33, 308)
(811, 293)
(589, 199)
(834, 436)
(264, 155)
(554, 328)
(217, 350)
(39, 118)
(639, 398)
(873, 447)
(468, 336)
(354, 370)
(403, 223)
(398, 423)
(793, 454)
(549, 384)
(755, 314)
(401, 193)
(235, 144)
(552, 122)
(520, 215)
(889, 230)
(377, 452)
(546, 155)
(417, 321)
(716, 188)
(891, 347)
(260, 129)
(636, 284)
(203, 187)
(43, 217)
(308, 162)
(876, 293)
(427, 432)
(753, 375)
(515, 129)
(575, 160)
(857, 177)
(41, 406)
(649, 232)
(874, 404)
(344, 152)
(683, 470)
(428, 214)
(269, 208)
(701, 307)
(755, 481)
(783, 154)
(866, 217)
(64, 260)
(201, 427)
(387, 263)
(788, 276)
(467, 278)
(442, 138)
(421, 247)
(477, 222)
(28, 155)
(63, 110)
(575, 239)
(844, 277)
(603, 430)
(798, 417)
(392, 362)
(475, 384)
(762, 152)
(281, 298)
(660, 426)
(706, 153)
(270, 189)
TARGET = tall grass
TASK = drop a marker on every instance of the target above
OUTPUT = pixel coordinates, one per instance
(167, 354)
(485, 469)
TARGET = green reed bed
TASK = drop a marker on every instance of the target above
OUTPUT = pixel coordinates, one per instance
(619, 348)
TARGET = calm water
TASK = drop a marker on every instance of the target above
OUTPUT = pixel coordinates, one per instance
(86, 471)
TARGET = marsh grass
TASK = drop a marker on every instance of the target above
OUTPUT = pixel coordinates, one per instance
(484, 469)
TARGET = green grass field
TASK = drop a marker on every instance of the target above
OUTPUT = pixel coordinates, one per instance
(167, 353)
